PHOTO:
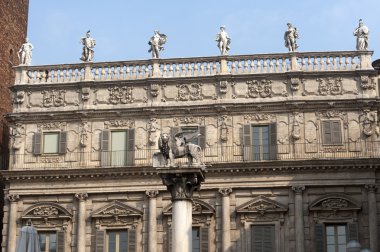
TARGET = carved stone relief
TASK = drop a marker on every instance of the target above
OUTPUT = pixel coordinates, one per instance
(152, 128)
(297, 122)
(119, 124)
(83, 138)
(120, 95)
(367, 83)
(189, 92)
(330, 86)
(53, 98)
(368, 119)
(259, 118)
(51, 126)
(154, 90)
(19, 97)
(85, 94)
(223, 128)
(259, 88)
(223, 87)
(17, 136)
(294, 83)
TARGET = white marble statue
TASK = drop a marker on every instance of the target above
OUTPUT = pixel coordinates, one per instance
(361, 34)
(290, 37)
(88, 48)
(25, 53)
(223, 40)
(156, 43)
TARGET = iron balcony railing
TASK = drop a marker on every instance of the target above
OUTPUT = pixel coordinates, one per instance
(211, 155)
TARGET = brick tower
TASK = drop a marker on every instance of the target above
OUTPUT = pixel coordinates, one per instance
(13, 23)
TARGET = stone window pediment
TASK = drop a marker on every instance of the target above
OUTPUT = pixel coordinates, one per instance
(199, 208)
(261, 205)
(116, 208)
(335, 202)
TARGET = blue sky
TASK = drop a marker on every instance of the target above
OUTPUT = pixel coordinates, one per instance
(122, 28)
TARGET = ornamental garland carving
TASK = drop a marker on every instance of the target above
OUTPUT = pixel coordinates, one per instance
(330, 86)
(51, 126)
(116, 211)
(259, 117)
(119, 124)
(334, 203)
(120, 95)
(53, 98)
(189, 92)
(368, 119)
(262, 88)
(46, 211)
(367, 83)
(188, 120)
(331, 114)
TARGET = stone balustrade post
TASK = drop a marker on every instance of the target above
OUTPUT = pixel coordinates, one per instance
(365, 60)
(81, 222)
(156, 72)
(88, 72)
(298, 216)
(223, 65)
(293, 62)
(372, 217)
(12, 227)
(152, 232)
(226, 222)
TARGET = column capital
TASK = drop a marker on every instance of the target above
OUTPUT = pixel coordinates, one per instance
(81, 196)
(371, 188)
(13, 197)
(298, 189)
(152, 193)
(225, 191)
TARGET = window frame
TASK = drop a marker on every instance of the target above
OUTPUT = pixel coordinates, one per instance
(330, 141)
(336, 235)
(249, 146)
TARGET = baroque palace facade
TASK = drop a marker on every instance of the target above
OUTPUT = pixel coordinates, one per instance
(291, 144)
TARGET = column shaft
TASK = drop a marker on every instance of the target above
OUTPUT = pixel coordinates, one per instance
(12, 226)
(299, 226)
(81, 231)
(152, 231)
(372, 216)
(226, 222)
(182, 226)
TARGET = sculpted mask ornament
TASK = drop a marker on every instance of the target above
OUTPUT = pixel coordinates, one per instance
(19, 97)
(53, 98)
(152, 129)
(154, 90)
(120, 95)
(368, 119)
(261, 88)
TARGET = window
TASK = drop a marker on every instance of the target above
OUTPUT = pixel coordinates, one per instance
(117, 241)
(49, 143)
(48, 241)
(331, 132)
(263, 238)
(260, 142)
(117, 147)
(336, 238)
(196, 239)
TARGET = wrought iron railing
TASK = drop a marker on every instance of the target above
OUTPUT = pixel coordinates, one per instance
(211, 155)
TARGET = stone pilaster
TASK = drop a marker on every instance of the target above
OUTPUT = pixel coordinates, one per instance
(12, 227)
(152, 232)
(299, 225)
(181, 183)
(226, 222)
(372, 217)
(81, 231)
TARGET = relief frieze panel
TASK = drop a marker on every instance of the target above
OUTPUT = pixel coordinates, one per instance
(51, 126)
(120, 95)
(330, 86)
(259, 118)
(123, 123)
(189, 92)
(189, 120)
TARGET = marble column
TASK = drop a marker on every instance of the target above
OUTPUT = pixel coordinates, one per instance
(372, 216)
(12, 227)
(298, 217)
(226, 221)
(181, 183)
(81, 222)
(152, 231)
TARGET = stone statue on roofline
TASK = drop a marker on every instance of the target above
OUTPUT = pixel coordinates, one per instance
(361, 33)
(223, 40)
(290, 37)
(177, 146)
(25, 53)
(156, 44)
(88, 48)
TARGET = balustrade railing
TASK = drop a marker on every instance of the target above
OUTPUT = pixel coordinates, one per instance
(210, 155)
(195, 67)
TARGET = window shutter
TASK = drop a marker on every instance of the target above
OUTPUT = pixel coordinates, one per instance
(132, 240)
(99, 241)
(353, 232)
(60, 241)
(104, 148)
(247, 144)
(37, 138)
(268, 241)
(336, 134)
(257, 238)
(170, 239)
(62, 147)
(131, 147)
(204, 239)
(320, 238)
(273, 141)
(202, 137)
(326, 132)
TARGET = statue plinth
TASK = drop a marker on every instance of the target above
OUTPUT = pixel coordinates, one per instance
(181, 183)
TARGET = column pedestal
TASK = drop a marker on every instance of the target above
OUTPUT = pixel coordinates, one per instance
(181, 183)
